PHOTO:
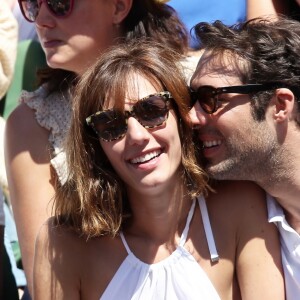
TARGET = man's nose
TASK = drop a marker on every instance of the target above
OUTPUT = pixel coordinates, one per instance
(197, 115)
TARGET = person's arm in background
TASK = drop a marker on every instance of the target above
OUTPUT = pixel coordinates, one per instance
(1, 258)
(263, 8)
(8, 46)
(27, 165)
(11, 3)
(29, 174)
(1, 243)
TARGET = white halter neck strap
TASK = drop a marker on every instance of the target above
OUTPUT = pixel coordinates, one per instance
(207, 228)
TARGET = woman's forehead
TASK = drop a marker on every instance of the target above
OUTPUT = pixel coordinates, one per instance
(137, 87)
(140, 86)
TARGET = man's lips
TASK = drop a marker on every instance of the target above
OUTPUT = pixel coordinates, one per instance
(211, 143)
(211, 148)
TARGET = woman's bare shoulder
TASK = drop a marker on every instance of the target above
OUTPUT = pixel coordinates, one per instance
(23, 132)
(58, 238)
(73, 258)
(237, 202)
(237, 192)
(22, 119)
(76, 247)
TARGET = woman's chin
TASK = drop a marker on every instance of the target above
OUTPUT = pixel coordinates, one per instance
(56, 63)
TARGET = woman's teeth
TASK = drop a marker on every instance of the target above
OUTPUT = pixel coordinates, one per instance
(146, 157)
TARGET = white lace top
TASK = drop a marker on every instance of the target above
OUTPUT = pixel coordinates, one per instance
(53, 112)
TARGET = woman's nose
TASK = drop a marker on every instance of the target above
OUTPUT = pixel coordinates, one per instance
(136, 133)
(44, 17)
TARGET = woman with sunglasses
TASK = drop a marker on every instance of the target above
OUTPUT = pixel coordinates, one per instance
(131, 220)
(73, 33)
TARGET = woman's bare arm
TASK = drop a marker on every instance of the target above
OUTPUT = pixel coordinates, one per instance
(27, 152)
(56, 264)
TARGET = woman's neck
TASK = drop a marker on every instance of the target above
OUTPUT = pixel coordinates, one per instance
(159, 216)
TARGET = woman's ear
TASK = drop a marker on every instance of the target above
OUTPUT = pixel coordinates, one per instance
(284, 104)
(122, 9)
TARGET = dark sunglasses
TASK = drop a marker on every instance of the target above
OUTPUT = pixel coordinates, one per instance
(207, 96)
(151, 111)
(59, 8)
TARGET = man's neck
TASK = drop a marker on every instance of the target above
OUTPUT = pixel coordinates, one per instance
(293, 220)
(287, 194)
(280, 176)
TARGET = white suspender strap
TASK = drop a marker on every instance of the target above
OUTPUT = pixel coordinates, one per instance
(214, 256)
(125, 243)
(187, 225)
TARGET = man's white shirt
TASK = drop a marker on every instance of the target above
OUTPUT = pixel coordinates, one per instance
(290, 249)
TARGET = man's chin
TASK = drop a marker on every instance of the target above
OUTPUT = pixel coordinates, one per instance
(212, 171)
(219, 171)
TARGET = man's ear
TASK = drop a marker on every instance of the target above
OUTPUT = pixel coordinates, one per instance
(122, 9)
(284, 104)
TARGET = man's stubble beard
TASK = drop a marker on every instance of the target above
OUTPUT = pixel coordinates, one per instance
(253, 155)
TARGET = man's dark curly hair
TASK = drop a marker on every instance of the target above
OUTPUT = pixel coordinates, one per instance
(269, 49)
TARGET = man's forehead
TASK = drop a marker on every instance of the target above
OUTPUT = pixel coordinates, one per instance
(216, 65)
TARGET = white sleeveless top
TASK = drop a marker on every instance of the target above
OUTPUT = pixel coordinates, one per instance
(179, 276)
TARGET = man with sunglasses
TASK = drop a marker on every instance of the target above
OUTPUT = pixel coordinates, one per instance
(246, 109)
